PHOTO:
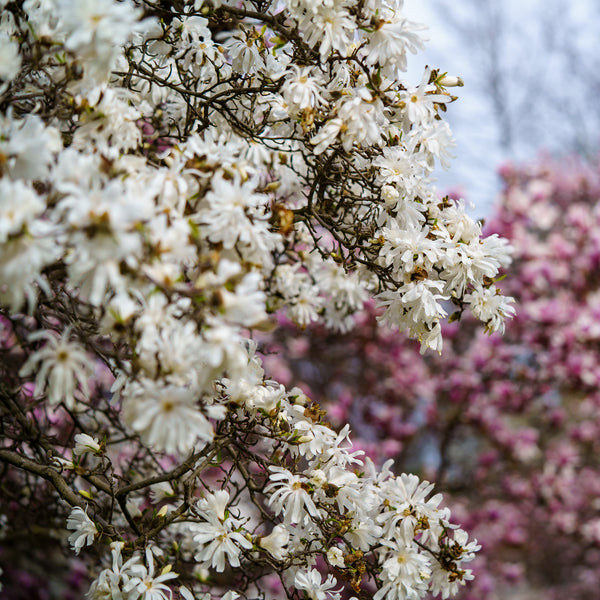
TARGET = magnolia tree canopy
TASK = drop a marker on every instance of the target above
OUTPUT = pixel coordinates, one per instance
(172, 175)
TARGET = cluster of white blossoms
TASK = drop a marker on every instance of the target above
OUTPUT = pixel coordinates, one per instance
(171, 175)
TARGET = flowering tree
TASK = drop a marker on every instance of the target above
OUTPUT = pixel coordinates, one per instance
(508, 427)
(172, 175)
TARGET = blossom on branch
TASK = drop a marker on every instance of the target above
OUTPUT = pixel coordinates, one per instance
(84, 529)
(181, 177)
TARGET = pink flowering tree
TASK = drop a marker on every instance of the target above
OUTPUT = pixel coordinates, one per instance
(508, 426)
(174, 176)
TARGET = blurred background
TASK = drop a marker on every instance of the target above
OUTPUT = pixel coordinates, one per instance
(532, 80)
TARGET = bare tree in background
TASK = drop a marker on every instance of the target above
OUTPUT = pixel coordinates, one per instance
(538, 62)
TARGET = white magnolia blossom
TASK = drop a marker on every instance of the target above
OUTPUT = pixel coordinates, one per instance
(200, 170)
(84, 529)
(219, 542)
(166, 417)
(310, 582)
(60, 365)
(85, 443)
(275, 542)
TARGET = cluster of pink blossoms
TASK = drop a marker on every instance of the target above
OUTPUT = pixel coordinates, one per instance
(509, 426)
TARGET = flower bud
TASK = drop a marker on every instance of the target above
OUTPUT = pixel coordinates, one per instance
(85, 443)
(450, 81)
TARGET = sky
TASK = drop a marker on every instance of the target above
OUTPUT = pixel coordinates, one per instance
(550, 80)
(473, 170)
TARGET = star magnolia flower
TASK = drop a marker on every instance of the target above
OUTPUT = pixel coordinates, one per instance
(420, 102)
(84, 529)
(221, 544)
(149, 586)
(275, 542)
(492, 308)
(314, 588)
(220, 535)
(20, 205)
(290, 496)
(335, 556)
(61, 365)
(112, 582)
(390, 42)
(301, 90)
(166, 417)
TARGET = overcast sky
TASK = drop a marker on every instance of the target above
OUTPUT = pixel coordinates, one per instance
(473, 170)
(549, 53)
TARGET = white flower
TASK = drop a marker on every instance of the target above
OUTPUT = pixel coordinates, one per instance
(246, 305)
(430, 337)
(390, 195)
(276, 541)
(85, 443)
(362, 116)
(22, 259)
(61, 366)
(327, 135)
(96, 31)
(149, 586)
(390, 41)
(166, 416)
(331, 27)
(245, 53)
(108, 122)
(410, 248)
(290, 495)
(238, 217)
(414, 305)
(442, 584)
(405, 564)
(118, 315)
(313, 439)
(27, 146)
(174, 353)
(19, 206)
(335, 556)
(488, 305)
(301, 90)
(407, 498)
(311, 584)
(305, 306)
(220, 545)
(364, 534)
(214, 505)
(117, 581)
(398, 166)
(84, 529)
(436, 140)
(219, 535)
(160, 491)
(10, 60)
(420, 101)
(264, 397)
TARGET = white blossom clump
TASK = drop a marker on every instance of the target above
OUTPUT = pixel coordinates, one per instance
(175, 179)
